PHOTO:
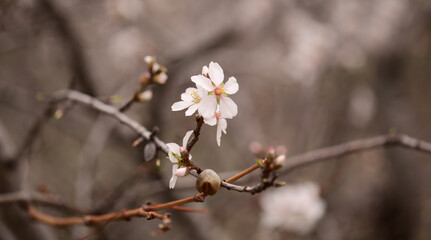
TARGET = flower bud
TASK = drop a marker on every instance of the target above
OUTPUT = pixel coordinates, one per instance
(146, 96)
(181, 172)
(149, 59)
(205, 70)
(156, 67)
(161, 78)
(271, 150)
(280, 160)
(208, 182)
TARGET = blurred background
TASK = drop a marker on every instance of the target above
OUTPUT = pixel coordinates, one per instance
(312, 74)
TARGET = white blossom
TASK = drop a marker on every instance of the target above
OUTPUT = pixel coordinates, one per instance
(175, 156)
(294, 208)
(191, 99)
(217, 92)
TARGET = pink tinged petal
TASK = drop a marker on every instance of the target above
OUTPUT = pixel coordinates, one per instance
(203, 82)
(186, 138)
(180, 172)
(178, 106)
(208, 106)
(228, 107)
(231, 86)
(192, 109)
(221, 126)
(216, 73)
(211, 121)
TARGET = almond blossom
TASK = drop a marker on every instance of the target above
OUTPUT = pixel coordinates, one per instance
(176, 154)
(191, 99)
(294, 208)
(212, 81)
(218, 119)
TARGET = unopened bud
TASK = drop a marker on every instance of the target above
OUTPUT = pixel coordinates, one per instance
(146, 95)
(271, 150)
(161, 78)
(205, 70)
(208, 182)
(156, 67)
(180, 172)
(149, 59)
(280, 160)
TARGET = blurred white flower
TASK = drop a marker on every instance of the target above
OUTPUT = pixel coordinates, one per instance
(280, 160)
(217, 92)
(295, 208)
(218, 119)
(191, 99)
(175, 155)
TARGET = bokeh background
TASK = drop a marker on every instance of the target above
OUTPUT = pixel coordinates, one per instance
(312, 73)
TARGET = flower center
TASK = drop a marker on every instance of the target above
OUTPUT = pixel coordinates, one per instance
(218, 91)
(196, 97)
(218, 115)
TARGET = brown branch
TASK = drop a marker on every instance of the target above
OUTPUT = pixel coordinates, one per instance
(135, 98)
(335, 151)
(355, 146)
(200, 197)
(92, 220)
(196, 133)
(242, 174)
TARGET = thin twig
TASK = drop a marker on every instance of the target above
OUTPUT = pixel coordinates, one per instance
(196, 132)
(200, 197)
(92, 220)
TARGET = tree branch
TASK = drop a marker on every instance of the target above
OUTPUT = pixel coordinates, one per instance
(109, 110)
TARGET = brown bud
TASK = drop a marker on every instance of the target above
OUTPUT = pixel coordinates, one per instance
(208, 182)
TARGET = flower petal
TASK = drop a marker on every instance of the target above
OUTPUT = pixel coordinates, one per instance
(207, 106)
(221, 126)
(228, 107)
(173, 148)
(211, 121)
(186, 138)
(203, 82)
(173, 178)
(216, 73)
(178, 106)
(192, 109)
(180, 172)
(187, 95)
(231, 86)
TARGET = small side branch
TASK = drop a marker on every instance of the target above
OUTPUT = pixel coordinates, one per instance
(196, 132)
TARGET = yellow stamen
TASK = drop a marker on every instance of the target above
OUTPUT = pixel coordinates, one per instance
(196, 97)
